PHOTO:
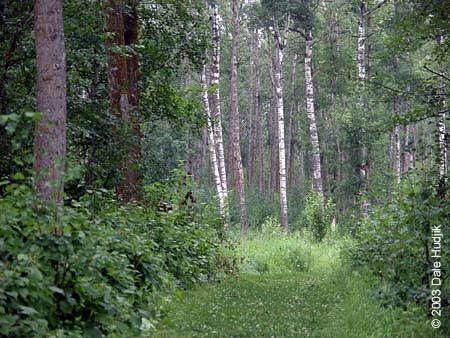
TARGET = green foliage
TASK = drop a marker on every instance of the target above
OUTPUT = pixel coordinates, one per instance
(395, 242)
(317, 215)
(96, 269)
(272, 250)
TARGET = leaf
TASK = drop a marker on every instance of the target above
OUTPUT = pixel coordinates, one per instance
(28, 310)
(13, 294)
(56, 289)
(19, 177)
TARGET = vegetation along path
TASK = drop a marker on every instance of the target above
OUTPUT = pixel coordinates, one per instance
(269, 298)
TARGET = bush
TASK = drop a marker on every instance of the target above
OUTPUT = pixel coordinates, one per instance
(317, 215)
(395, 242)
(272, 250)
(106, 275)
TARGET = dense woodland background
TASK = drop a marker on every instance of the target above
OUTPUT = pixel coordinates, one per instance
(136, 136)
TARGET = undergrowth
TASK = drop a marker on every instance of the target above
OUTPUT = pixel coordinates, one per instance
(316, 295)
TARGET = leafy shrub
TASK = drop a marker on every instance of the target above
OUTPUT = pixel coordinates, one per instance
(272, 250)
(317, 215)
(106, 275)
(395, 242)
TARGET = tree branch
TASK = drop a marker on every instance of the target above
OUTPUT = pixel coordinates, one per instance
(436, 73)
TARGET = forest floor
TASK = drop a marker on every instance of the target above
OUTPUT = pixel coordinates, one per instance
(269, 298)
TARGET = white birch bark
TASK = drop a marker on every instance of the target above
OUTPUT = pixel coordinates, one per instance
(216, 111)
(397, 146)
(280, 45)
(317, 169)
(362, 44)
(361, 60)
(443, 155)
(212, 146)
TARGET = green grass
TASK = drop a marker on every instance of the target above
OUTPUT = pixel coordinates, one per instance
(312, 297)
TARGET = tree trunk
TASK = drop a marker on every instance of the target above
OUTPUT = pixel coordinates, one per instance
(279, 49)
(123, 93)
(406, 150)
(289, 151)
(234, 115)
(215, 99)
(317, 170)
(443, 155)
(362, 44)
(272, 125)
(412, 152)
(250, 117)
(133, 155)
(50, 132)
(397, 145)
(212, 148)
(259, 115)
(361, 59)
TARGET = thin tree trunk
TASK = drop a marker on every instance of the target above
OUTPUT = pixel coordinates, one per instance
(361, 59)
(397, 145)
(362, 44)
(406, 149)
(212, 147)
(301, 161)
(443, 155)
(50, 132)
(317, 170)
(412, 153)
(215, 99)
(272, 129)
(234, 115)
(203, 154)
(280, 45)
(258, 115)
(250, 117)
(289, 151)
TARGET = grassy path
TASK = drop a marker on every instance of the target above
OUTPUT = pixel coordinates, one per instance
(326, 301)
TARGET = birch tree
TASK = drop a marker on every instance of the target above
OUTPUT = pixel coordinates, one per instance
(317, 168)
(443, 155)
(234, 115)
(215, 99)
(397, 145)
(212, 146)
(50, 131)
(258, 114)
(281, 38)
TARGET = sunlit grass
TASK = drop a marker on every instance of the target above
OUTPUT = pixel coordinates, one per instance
(289, 286)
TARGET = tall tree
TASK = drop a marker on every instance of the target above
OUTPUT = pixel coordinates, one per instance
(212, 146)
(397, 143)
(363, 165)
(441, 121)
(215, 99)
(122, 85)
(281, 38)
(310, 108)
(50, 133)
(259, 158)
(234, 114)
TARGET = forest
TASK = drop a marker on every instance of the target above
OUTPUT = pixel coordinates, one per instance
(224, 168)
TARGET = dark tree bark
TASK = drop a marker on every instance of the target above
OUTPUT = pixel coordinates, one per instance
(50, 133)
(123, 92)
